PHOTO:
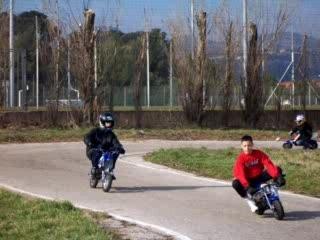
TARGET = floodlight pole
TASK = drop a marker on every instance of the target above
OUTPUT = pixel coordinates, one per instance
(37, 63)
(192, 27)
(244, 41)
(292, 69)
(11, 50)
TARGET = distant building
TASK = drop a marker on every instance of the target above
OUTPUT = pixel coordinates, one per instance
(288, 84)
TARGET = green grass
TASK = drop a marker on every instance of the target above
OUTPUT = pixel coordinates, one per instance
(26, 218)
(25, 135)
(301, 167)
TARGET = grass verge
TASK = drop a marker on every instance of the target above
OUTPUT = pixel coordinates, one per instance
(27, 218)
(25, 135)
(301, 167)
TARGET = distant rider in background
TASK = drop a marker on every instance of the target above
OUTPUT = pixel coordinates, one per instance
(302, 132)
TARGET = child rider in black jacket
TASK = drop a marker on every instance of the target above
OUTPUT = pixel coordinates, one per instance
(102, 139)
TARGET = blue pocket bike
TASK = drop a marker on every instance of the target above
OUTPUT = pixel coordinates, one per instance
(104, 172)
(267, 197)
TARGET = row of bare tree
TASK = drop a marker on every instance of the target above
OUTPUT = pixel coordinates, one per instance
(197, 74)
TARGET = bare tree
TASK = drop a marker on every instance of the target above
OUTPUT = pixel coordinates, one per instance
(252, 88)
(191, 73)
(226, 29)
(109, 51)
(82, 64)
(227, 90)
(137, 84)
(52, 46)
(303, 72)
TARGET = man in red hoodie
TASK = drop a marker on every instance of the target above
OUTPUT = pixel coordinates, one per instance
(253, 167)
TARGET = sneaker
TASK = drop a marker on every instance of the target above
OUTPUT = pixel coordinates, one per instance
(252, 205)
(93, 171)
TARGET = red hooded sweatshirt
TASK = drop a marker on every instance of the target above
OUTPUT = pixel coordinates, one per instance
(249, 166)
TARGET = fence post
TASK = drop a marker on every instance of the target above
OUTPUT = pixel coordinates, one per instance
(309, 95)
(164, 95)
(24, 79)
(124, 96)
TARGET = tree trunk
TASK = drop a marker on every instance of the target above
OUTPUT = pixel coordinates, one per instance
(193, 97)
(88, 92)
(227, 86)
(254, 89)
(139, 66)
(303, 69)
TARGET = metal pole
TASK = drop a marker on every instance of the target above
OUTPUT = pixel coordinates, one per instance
(283, 75)
(18, 70)
(309, 93)
(37, 63)
(24, 79)
(192, 28)
(11, 49)
(148, 60)
(170, 70)
(125, 96)
(6, 87)
(148, 72)
(95, 64)
(58, 49)
(68, 74)
(262, 39)
(292, 69)
(244, 41)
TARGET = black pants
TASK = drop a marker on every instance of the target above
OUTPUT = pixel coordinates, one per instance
(303, 142)
(236, 184)
(94, 155)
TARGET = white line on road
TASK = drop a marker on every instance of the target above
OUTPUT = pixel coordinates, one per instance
(157, 228)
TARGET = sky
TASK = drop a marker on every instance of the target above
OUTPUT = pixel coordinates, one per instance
(131, 14)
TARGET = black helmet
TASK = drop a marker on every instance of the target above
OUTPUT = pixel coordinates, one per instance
(106, 118)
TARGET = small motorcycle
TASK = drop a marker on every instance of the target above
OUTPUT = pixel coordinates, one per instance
(308, 144)
(311, 144)
(267, 197)
(104, 173)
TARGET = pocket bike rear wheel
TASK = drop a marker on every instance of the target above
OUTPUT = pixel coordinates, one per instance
(313, 145)
(93, 182)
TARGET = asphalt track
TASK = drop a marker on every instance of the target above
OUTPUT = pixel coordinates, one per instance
(174, 202)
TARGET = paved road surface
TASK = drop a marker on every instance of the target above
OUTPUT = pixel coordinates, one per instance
(193, 207)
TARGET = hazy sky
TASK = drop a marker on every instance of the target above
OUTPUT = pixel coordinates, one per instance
(131, 13)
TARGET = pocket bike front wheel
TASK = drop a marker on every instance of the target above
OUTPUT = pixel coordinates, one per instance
(287, 145)
(278, 211)
(107, 182)
(260, 211)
